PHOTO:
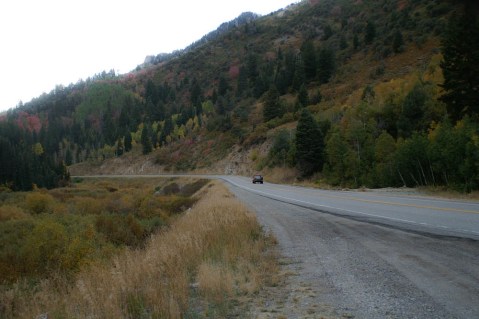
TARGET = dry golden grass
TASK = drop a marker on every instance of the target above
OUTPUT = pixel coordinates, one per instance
(281, 175)
(218, 247)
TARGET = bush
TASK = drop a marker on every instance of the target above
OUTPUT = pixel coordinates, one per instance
(45, 247)
(39, 203)
(8, 212)
(121, 230)
(88, 206)
(12, 240)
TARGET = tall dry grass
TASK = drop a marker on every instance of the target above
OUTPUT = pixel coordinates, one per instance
(209, 256)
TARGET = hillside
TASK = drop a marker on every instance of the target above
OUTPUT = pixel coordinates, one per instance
(345, 93)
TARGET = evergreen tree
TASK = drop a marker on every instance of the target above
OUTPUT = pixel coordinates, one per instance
(146, 140)
(327, 32)
(299, 77)
(127, 141)
(370, 32)
(303, 98)
(223, 86)
(343, 43)
(68, 157)
(326, 65)
(355, 42)
(272, 105)
(309, 59)
(289, 67)
(398, 42)
(411, 118)
(309, 144)
(124, 119)
(252, 68)
(151, 92)
(460, 47)
(196, 94)
(167, 129)
(242, 82)
(109, 127)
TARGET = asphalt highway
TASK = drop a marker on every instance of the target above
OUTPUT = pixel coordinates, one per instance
(434, 216)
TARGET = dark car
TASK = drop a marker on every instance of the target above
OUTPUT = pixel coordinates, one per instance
(257, 179)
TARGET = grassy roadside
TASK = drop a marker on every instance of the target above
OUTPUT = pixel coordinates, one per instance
(209, 263)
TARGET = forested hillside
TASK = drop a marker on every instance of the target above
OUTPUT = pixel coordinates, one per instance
(371, 93)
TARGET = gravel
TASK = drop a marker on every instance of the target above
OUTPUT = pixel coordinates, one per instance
(335, 267)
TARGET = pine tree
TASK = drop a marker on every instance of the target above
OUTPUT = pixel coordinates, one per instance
(309, 144)
(68, 157)
(326, 65)
(128, 141)
(196, 94)
(303, 98)
(309, 59)
(460, 47)
(167, 129)
(146, 140)
(272, 105)
(398, 42)
(242, 82)
(299, 77)
(355, 42)
(411, 118)
(223, 86)
(370, 32)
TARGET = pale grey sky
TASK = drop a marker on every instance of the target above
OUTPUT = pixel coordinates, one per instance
(49, 42)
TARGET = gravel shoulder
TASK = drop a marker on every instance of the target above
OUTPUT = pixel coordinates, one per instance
(335, 267)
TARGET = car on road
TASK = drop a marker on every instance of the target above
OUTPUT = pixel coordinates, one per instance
(257, 179)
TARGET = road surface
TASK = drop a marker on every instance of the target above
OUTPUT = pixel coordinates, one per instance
(414, 213)
(368, 254)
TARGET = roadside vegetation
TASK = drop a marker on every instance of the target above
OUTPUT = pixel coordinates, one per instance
(130, 248)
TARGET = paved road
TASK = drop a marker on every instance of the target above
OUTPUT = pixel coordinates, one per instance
(368, 255)
(414, 213)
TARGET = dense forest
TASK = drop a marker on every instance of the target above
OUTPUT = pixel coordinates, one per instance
(372, 93)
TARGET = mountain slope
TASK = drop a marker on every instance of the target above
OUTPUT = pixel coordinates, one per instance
(369, 71)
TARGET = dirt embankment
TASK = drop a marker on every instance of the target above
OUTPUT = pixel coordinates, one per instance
(237, 162)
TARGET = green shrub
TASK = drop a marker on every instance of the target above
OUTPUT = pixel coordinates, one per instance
(44, 247)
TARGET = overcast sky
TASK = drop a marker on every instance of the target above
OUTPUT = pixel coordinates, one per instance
(48, 42)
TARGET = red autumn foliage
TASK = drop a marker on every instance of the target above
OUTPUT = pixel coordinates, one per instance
(234, 71)
(29, 122)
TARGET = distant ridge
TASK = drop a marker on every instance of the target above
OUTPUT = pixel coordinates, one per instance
(242, 19)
